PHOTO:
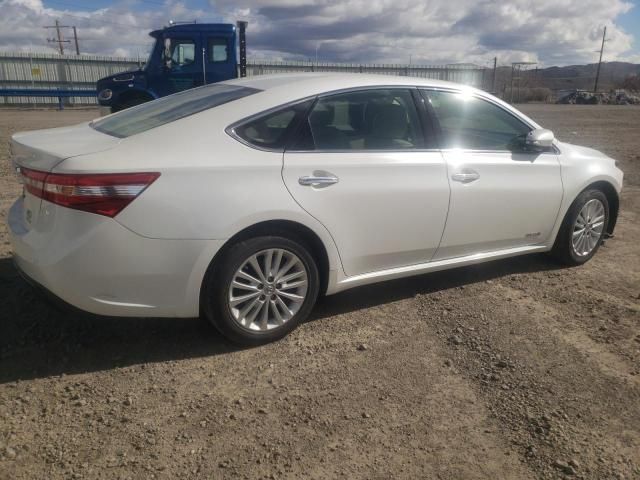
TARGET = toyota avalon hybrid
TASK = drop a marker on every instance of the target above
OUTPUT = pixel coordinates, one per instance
(243, 201)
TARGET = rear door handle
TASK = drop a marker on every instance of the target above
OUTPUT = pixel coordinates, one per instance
(318, 179)
(465, 176)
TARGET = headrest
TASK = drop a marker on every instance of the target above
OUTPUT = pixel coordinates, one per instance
(321, 117)
(389, 121)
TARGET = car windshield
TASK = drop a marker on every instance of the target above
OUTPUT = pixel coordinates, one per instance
(168, 109)
(152, 51)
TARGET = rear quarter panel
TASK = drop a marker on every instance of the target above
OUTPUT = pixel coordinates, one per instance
(211, 186)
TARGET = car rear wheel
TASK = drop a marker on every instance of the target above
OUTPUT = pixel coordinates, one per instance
(583, 228)
(261, 289)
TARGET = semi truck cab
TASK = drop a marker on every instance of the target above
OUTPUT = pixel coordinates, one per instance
(183, 56)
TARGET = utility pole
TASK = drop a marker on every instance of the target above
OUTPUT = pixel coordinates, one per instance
(59, 38)
(75, 38)
(495, 68)
(513, 68)
(604, 35)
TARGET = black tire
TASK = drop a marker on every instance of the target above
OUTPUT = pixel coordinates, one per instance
(563, 249)
(215, 297)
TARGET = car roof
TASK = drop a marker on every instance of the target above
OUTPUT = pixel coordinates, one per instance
(302, 84)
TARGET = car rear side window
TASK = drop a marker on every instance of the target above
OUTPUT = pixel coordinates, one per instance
(473, 123)
(381, 119)
(168, 109)
(270, 130)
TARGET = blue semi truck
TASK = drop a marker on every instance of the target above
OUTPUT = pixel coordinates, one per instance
(183, 56)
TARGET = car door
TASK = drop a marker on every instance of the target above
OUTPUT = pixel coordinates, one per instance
(502, 196)
(362, 164)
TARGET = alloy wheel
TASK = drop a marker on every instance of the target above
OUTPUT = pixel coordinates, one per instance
(268, 289)
(588, 227)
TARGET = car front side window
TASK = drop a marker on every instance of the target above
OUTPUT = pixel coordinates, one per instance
(469, 122)
(381, 119)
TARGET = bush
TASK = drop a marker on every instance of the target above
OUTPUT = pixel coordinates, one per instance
(529, 94)
(632, 82)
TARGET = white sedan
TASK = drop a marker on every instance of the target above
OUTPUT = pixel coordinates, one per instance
(245, 200)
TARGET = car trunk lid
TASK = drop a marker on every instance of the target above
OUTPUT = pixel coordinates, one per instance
(42, 150)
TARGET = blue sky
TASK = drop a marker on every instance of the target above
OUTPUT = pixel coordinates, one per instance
(631, 23)
(549, 32)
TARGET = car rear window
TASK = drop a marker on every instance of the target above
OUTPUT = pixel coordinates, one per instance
(168, 109)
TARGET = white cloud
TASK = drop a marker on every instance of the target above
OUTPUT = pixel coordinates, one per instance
(382, 31)
(442, 31)
(117, 30)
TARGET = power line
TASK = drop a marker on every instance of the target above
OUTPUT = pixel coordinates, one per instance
(59, 40)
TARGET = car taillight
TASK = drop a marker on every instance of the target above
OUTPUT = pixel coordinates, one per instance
(101, 193)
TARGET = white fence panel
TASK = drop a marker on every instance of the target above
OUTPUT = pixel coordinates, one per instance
(25, 70)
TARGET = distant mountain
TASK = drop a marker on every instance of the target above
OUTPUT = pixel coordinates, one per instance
(570, 77)
(583, 76)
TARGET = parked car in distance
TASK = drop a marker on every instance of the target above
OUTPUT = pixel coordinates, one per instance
(244, 200)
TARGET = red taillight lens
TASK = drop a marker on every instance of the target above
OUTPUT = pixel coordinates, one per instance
(101, 193)
(33, 181)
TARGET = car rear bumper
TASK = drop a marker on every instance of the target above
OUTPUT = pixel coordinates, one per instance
(97, 265)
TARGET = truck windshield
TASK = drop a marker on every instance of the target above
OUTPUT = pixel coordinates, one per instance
(168, 109)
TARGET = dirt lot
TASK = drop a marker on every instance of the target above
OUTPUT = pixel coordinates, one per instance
(514, 369)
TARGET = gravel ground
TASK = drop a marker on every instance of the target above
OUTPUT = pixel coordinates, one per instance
(513, 369)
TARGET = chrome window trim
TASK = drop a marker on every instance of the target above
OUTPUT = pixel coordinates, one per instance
(406, 150)
(230, 130)
(466, 150)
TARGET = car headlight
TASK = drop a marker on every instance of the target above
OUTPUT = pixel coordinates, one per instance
(105, 94)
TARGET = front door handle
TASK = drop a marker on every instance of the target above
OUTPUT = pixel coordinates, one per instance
(465, 176)
(318, 179)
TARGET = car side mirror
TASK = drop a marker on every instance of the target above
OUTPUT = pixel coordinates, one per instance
(539, 139)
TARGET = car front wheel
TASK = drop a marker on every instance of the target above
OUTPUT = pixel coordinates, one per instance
(261, 289)
(583, 228)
